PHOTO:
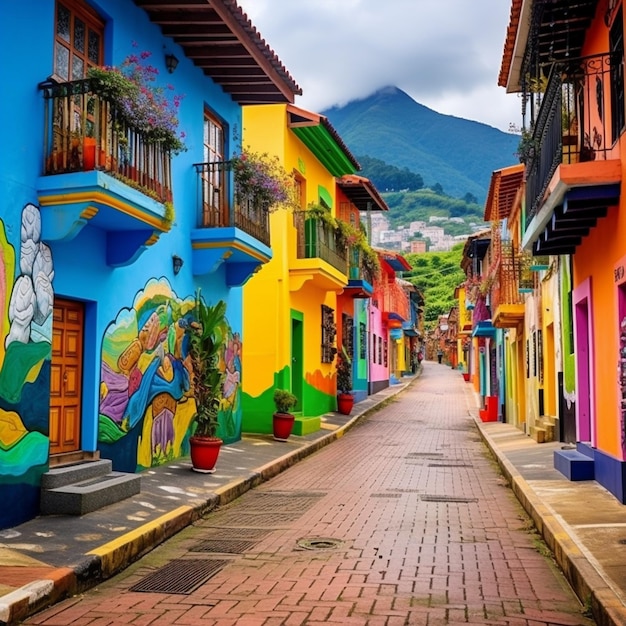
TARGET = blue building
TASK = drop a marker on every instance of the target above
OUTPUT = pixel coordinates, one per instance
(117, 206)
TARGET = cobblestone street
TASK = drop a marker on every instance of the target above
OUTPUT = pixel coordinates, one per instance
(404, 520)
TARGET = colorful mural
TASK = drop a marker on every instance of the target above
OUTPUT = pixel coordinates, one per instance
(25, 350)
(146, 400)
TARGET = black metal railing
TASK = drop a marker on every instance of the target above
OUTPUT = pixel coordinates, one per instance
(580, 119)
(317, 239)
(220, 208)
(83, 131)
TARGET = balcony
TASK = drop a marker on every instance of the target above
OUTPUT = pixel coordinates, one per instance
(98, 171)
(394, 304)
(318, 257)
(360, 281)
(233, 228)
(574, 173)
(507, 302)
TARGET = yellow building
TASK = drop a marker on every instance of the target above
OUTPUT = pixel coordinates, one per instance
(290, 304)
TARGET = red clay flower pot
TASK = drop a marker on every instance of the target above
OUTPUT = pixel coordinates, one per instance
(282, 424)
(204, 453)
(345, 402)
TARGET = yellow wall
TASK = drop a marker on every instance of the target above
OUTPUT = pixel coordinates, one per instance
(267, 299)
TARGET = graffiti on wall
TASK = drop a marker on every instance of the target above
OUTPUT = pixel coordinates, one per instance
(146, 397)
(25, 350)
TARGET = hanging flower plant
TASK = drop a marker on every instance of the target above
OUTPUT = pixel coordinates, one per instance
(141, 104)
(262, 177)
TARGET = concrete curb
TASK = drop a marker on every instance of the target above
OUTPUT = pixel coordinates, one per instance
(590, 587)
(112, 557)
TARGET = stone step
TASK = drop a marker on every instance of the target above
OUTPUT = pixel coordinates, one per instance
(574, 465)
(538, 434)
(75, 473)
(85, 487)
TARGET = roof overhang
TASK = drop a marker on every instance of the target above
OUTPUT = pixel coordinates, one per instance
(320, 137)
(220, 39)
(505, 187)
(362, 193)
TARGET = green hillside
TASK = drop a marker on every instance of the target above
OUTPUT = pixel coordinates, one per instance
(456, 153)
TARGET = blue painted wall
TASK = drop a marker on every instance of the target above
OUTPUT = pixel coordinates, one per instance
(80, 270)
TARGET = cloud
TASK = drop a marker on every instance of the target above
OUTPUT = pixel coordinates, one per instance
(445, 54)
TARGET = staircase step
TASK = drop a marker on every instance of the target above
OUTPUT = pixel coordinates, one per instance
(89, 495)
(574, 465)
(538, 434)
(75, 473)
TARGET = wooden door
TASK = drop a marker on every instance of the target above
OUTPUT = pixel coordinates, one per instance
(66, 376)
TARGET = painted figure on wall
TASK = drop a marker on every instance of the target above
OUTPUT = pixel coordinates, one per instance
(25, 350)
(146, 405)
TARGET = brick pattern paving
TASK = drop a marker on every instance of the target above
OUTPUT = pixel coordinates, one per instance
(427, 532)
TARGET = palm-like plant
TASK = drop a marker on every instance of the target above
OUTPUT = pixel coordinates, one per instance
(207, 335)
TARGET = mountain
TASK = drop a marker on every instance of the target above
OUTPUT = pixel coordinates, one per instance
(458, 154)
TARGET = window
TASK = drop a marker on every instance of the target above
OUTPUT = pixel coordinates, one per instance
(214, 201)
(329, 332)
(347, 331)
(362, 340)
(77, 41)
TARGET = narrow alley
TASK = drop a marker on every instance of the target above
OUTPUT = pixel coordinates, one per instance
(405, 519)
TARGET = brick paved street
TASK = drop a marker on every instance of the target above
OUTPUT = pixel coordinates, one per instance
(404, 520)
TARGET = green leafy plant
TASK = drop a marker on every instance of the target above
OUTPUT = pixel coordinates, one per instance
(207, 336)
(344, 372)
(284, 400)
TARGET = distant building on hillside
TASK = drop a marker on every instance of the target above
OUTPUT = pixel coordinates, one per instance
(418, 247)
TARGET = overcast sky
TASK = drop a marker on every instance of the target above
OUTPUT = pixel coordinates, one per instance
(445, 54)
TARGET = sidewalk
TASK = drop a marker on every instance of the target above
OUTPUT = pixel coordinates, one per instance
(50, 558)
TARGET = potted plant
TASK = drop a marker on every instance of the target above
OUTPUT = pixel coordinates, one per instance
(207, 335)
(282, 420)
(345, 399)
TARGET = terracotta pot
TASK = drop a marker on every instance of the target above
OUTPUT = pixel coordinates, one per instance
(345, 402)
(89, 153)
(282, 425)
(204, 453)
(466, 377)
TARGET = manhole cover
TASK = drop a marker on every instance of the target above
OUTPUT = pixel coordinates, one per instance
(319, 543)
(224, 546)
(179, 576)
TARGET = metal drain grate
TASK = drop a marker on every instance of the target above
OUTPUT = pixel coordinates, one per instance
(280, 502)
(385, 495)
(424, 455)
(461, 500)
(257, 520)
(179, 576)
(450, 465)
(223, 546)
(237, 533)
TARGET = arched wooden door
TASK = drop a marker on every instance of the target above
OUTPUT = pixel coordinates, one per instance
(66, 376)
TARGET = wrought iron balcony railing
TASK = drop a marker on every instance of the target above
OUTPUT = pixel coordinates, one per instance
(581, 117)
(83, 132)
(317, 239)
(220, 208)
